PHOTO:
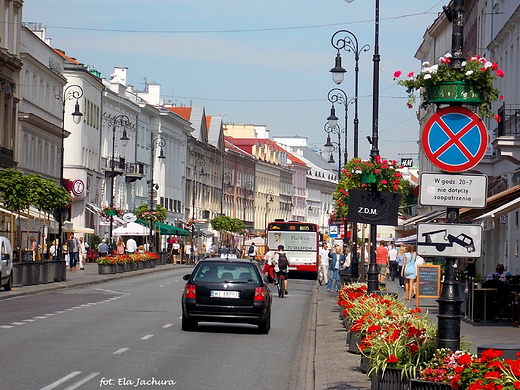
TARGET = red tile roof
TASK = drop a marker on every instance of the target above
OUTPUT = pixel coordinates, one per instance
(184, 112)
(62, 53)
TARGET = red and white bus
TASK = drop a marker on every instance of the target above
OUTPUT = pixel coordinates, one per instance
(301, 242)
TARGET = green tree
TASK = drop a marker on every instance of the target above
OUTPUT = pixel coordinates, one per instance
(225, 223)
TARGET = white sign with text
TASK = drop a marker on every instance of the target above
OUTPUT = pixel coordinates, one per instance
(453, 190)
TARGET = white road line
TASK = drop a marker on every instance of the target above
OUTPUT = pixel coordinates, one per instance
(62, 380)
(40, 317)
(167, 325)
(120, 351)
(50, 314)
(59, 312)
(31, 320)
(84, 380)
(148, 336)
(17, 323)
(6, 326)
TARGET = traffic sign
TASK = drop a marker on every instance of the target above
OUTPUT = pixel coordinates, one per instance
(449, 240)
(455, 139)
(453, 190)
(333, 231)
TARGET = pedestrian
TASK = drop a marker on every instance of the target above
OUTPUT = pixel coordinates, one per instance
(53, 250)
(175, 251)
(120, 246)
(83, 249)
(131, 246)
(336, 262)
(268, 269)
(392, 257)
(252, 251)
(34, 248)
(409, 272)
(400, 261)
(103, 248)
(195, 253)
(73, 248)
(382, 262)
(324, 261)
(187, 252)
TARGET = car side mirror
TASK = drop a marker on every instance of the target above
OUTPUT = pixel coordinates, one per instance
(186, 277)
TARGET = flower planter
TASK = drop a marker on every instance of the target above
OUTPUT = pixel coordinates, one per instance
(18, 271)
(104, 269)
(133, 266)
(119, 268)
(454, 92)
(363, 364)
(44, 272)
(126, 267)
(140, 265)
(355, 341)
(390, 380)
(418, 384)
(52, 271)
(369, 178)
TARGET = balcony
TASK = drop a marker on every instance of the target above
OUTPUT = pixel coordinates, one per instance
(134, 171)
(507, 133)
(118, 164)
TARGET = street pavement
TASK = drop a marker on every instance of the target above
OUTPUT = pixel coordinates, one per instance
(334, 367)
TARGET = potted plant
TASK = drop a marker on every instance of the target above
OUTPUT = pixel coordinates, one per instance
(471, 83)
(106, 265)
(107, 212)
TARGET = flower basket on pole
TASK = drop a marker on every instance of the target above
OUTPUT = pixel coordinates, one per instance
(447, 92)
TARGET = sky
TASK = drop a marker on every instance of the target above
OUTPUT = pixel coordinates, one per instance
(253, 62)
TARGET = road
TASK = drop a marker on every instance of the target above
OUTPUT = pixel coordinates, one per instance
(126, 334)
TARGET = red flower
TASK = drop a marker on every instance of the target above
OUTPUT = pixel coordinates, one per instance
(397, 73)
(492, 374)
(498, 118)
(500, 73)
(392, 359)
(411, 74)
(490, 354)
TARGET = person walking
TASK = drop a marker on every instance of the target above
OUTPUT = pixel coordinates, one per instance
(324, 262)
(120, 246)
(83, 249)
(34, 248)
(382, 262)
(336, 261)
(187, 252)
(175, 251)
(102, 248)
(73, 248)
(131, 246)
(392, 257)
(400, 261)
(409, 272)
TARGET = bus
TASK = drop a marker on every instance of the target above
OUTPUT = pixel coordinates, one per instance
(301, 242)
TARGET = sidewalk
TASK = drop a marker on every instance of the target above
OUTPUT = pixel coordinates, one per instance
(338, 369)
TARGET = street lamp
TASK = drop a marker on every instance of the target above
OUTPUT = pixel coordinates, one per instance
(268, 199)
(331, 146)
(226, 181)
(248, 187)
(337, 95)
(197, 165)
(156, 143)
(124, 122)
(70, 93)
(346, 40)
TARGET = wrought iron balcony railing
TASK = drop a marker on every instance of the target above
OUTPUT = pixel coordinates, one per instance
(509, 124)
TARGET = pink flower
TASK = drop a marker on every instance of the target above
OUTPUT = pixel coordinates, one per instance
(498, 118)
(501, 97)
(411, 74)
(500, 73)
(397, 73)
(384, 181)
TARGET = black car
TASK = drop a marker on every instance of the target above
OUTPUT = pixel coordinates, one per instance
(226, 290)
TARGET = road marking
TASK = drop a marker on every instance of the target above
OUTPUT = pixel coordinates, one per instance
(120, 351)
(84, 380)
(167, 325)
(31, 320)
(62, 380)
(17, 323)
(148, 336)
(40, 317)
(5, 326)
(50, 314)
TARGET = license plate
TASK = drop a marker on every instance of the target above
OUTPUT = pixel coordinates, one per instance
(224, 294)
(293, 268)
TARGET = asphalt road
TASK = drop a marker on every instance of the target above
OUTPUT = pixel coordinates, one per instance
(126, 334)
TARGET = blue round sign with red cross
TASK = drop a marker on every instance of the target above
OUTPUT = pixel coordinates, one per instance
(455, 139)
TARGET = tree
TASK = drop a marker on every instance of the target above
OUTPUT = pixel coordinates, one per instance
(225, 223)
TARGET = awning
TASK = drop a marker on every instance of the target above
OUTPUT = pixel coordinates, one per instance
(78, 230)
(165, 229)
(499, 211)
(131, 229)
(406, 240)
(423, 218)
(494, 202)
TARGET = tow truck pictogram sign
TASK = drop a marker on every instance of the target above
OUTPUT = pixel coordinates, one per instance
(449, 240)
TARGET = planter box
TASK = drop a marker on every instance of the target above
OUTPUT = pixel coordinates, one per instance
(18, 271)
(105, 269)
(369, 178)
(44, 272)
(355, 340)
(454, 92)
(390, 380)
(418, 384)
(363, 364)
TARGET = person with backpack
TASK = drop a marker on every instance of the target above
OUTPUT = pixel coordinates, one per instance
(251, 252)
(282, 265)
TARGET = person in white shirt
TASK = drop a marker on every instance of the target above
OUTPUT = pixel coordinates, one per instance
(83, 248)
(324, 261)
(392, 255)
(131, 246)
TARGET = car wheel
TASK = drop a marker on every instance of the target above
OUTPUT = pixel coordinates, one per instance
(265, 326)
(187, 324)
(9, 284)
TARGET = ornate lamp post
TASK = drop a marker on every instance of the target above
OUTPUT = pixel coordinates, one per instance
(331, 147)
(346, 40)
(351, 44)
(72, 92)
(124, 122)
(198, 165)
(156, 143)
(226, 183)
(268, 199)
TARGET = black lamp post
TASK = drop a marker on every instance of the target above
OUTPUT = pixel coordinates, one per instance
(346, 40)
(198, 165)
(330, 147)
(124, 122)
(226, 184)
(268, 199)
(332, 127)
(72, 92)
(156, 143)
(248, 188)
(372, 283)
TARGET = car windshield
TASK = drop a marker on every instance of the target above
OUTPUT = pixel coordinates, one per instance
(226, 272)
